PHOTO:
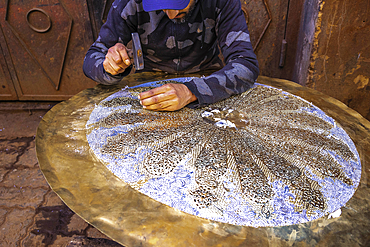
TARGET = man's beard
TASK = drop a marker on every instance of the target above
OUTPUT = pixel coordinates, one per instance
(186, 17)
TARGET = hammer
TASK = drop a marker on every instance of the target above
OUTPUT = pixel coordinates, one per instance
(136, 52)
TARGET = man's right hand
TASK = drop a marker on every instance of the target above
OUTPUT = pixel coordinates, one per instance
(117, 59)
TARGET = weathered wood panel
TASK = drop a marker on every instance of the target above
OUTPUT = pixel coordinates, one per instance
(46, 43)
(340, 63)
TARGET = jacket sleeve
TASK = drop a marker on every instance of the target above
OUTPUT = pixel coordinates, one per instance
(115, 29)
(241, 69)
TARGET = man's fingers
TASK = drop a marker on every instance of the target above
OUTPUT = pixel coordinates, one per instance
(116, 67)
(112, 67)
(162, 106)
(158, 98)
(119, 56)
(108, 67)
(154, 92)
(169, 97)
(124, 56)
(116, 59)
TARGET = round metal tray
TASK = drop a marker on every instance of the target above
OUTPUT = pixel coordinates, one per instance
(131, 218)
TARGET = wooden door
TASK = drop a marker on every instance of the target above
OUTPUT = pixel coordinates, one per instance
(274, 30)
(43, 45)
(7, 90)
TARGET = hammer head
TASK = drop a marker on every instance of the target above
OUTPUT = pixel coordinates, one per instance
(138, 53)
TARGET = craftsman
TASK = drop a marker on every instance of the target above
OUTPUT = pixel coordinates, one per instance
(177, 36)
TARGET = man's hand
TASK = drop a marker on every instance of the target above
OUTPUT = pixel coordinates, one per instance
(116, 60)
(169, 97)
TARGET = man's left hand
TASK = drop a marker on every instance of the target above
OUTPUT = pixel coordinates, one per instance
(169, 97)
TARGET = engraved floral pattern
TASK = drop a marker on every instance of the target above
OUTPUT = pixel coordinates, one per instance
(262, 158)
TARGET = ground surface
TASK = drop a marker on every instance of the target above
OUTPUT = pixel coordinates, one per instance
(31, 214)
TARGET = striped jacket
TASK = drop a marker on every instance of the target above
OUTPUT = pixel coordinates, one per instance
(189, 47)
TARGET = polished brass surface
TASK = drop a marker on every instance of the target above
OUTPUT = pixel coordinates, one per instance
(260, 158)
(134, 219)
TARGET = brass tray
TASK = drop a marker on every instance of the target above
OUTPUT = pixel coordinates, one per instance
(133, 219)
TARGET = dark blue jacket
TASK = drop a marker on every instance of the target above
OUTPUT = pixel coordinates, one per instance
(182, 48)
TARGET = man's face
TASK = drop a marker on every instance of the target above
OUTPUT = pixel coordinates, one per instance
(180, 16)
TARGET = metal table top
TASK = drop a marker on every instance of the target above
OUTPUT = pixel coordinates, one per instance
(134, 219)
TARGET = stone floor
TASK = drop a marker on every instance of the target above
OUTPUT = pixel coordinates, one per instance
(31, 214)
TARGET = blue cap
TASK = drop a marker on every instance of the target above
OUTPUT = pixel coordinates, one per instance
(152, 5)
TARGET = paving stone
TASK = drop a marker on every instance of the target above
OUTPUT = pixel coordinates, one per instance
(52, 199)
(8, 154)
(26, 122)
(15, 225)
(92, 232)
(11, 150)
(38, 240)
(44, 231)
(3, 213)
(21, 197)
(34, 240)
(28, 158)
(77, 224)
(92, 242)
(3, 171)
(52, 223)
(22, 178)
(62, 241)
